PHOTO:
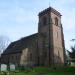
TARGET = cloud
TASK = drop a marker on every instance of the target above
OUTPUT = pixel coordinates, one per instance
(19, 18)
(68, 20)
(22, 16)
(17, 22)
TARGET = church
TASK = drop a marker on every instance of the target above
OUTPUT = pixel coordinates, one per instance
(46, 47)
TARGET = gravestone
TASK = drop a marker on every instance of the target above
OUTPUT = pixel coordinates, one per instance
(12, 67)
(3, 67)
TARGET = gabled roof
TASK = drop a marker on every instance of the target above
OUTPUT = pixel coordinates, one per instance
(18, 46)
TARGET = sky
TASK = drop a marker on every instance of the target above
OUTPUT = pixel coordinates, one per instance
(19, 18)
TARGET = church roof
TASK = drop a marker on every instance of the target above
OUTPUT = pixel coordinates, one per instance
(50, 9)
(18, 46)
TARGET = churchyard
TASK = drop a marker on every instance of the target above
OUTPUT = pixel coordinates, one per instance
(66, 70)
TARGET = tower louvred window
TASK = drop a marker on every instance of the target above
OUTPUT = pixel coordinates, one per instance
(56, 21)
(44, 20)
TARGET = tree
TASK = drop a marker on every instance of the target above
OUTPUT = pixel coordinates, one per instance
(4, 42)
(72, 52)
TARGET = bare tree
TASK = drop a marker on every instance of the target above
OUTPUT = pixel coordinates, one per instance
(4, 42)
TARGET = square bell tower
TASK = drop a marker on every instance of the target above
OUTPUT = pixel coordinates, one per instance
(51, 47)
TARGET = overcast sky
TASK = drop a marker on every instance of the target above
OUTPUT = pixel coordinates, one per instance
(19, 18)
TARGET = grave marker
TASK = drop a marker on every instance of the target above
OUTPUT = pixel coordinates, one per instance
(3, 67)
(12, 67)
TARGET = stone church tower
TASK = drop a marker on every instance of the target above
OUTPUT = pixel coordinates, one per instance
(50, 38)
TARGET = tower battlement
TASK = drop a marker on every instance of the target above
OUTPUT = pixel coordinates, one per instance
(48, 10)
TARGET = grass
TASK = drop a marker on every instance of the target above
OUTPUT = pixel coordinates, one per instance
(69, 70)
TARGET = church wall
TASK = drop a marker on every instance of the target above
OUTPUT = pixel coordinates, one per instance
(29, 54)
(57, 40)
(42, 40)
(11, 58)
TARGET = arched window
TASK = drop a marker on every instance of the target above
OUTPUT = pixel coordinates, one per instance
(44, 20)
(56, 21)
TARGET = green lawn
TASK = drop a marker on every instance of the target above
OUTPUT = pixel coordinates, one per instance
(47, 71)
